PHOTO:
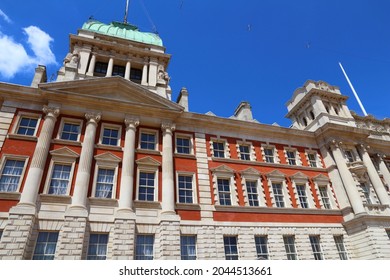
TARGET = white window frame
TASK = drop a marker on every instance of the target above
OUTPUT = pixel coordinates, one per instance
(27, 115)
(316, 160)
(276, 177)
(106, 161)
(71, 121)
(191, 142)
(195, 245)
(368, 193)
(260, 246)
(149, 131)
(299, 179)
(293, 245)
(354, 155)
(252, 175)
(323, 181)
(224, 172)
(62, 161)
(194, 196)
(274, 153)
(315, 242)
(136, 244)
(251, 151)
(111, 126)
(98, 244)
(296, 156)
(4, 159)
(340, 245)
(230, 245)
(225, 145)
(155, 187)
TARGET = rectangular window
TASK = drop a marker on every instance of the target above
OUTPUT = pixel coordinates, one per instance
(301, 191)
(219, 149)
(349, 155)
(11, 175)
(312, 160)
(269, 155)
(59, 181)
(97, 248)
(366, 192)
(316, 247)
(136, 75)
(148, 141)
(253, 196)
(118, 70)
(261, 247)
(101, 68)
(230, 245)
(224, 192)
(325, 197)
(388, 233)
(70, 131)
(183, 145)
(188, 247)
(27, 126)
(289, 245)
(185, 189)
(146, 186)
(1, 234)
(291, 159)
(105, 183)
(110, 136)
(277, 189)
(339, 241)
(45, 247)
(245, 152)
(144, 247)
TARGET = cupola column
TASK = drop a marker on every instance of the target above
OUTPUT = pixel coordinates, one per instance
(91, 67)
(80, 192)
(348, 181)
(383, 169)
(127, 71)
(110, 67)
(168, 187)
(374, 177)
(34, 176)
(127, 177)
(144, 80)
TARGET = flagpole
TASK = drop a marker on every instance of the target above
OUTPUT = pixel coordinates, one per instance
(353, 90)
(126, 11)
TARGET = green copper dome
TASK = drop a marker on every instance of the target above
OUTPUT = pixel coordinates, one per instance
(124, 31)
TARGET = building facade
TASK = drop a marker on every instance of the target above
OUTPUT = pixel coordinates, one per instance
(102, 164)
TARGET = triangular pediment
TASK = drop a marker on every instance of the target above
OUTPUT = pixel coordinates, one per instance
(222, 169)
(321, 179)
(110, 90)
(276, 174)
(107, 157)
(250, 172)
(64, 152)
(299, 177)
(149, 161)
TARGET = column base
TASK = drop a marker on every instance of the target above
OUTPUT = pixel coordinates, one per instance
(76, 211)
(125, 214)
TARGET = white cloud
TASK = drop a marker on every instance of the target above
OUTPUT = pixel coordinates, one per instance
(5, 17)
(14, 57)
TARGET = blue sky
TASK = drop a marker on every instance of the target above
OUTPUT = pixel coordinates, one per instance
(224, 52)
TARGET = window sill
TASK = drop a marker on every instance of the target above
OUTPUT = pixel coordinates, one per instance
(98, 201)
(147, 204)
(109, 147)
(23, 137)
(151, 152)
(9, 195)
(187, 206)
(66, 199)
(189, 156)
(66, 142)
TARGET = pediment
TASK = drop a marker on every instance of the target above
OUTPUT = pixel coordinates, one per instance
(110, 89)
(321, 179)
(299, 177)
(64, 152)
(276, 174)
(250, 172)
(149, 161)
(108, 157)
(222, 169)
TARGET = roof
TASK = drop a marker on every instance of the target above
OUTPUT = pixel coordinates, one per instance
(122, 30)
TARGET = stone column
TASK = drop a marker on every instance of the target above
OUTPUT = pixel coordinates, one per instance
(144, 80)
(38, 162)
(348, 181)
(127, 176)
(168, 186)
(110, 67)
(80, 192)
(383, 169)
(128, 70)
(374, 177)
(153, 64)
(91, 67)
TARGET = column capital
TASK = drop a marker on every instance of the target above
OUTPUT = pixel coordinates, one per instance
(51, 111)
(363, 147)
(168, 126)
(131, 122)
(333, 144)
(93, 117)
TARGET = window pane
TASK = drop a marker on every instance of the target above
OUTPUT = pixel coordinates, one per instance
(110, 137)
(261, 247)
(224, 192)
(183, 145)
(278, 194)
(146, 186)
(269, 155)
(291, 160)
(316, 247)
(231, 250)
(105, 183)
(59, 179)
(185, 189)
(10, 176)
(245, 152)
(339, 241)
(97, 248)
(144, 247)
(253, 197)
(46, 246)
(148, 141)
(188, 247)
(289, 245)
(219, 149)
(324, 197)
(70, 131)
(301, 191)
(27, 126)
